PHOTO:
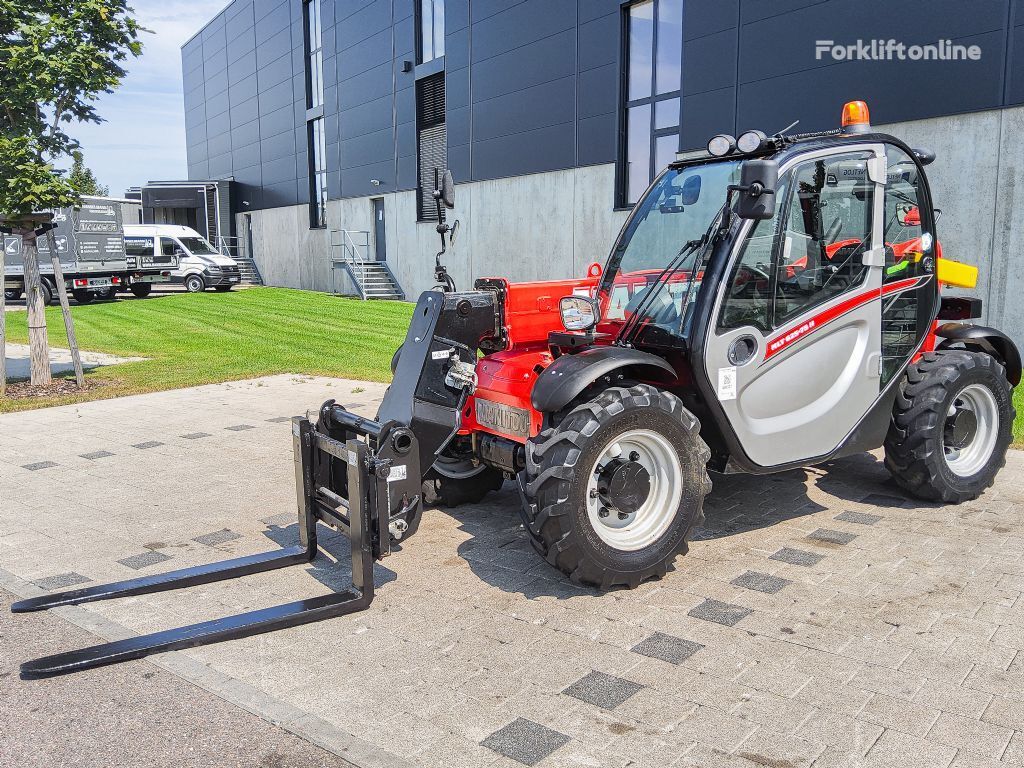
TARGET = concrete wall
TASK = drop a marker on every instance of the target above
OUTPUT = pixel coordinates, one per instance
(552, 225)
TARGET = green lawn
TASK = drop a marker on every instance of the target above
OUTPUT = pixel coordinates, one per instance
(1018, 425)
(211, 337)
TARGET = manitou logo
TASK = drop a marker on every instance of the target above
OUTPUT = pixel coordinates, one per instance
(503, 418)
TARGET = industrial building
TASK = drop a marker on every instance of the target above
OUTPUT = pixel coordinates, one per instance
(329, 117)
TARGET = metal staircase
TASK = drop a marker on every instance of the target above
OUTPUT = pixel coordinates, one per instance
(232, 246)
(350, 253)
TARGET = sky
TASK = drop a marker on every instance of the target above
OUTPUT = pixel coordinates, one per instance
(143, 137)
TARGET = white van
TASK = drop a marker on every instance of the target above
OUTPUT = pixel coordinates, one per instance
(200, 265)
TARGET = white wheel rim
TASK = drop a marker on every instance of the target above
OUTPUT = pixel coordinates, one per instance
(969, 459)
(457, 469)
(649, 523)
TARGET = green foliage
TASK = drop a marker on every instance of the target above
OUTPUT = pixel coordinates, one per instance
(57, 57)
(84, 181)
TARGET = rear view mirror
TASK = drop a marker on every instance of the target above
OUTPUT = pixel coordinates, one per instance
(448, 190)
(758, 180)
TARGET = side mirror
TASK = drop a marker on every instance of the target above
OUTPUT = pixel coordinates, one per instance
(758, 180)
(908, 215)
(448, 190)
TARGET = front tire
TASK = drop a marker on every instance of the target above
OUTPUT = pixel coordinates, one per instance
(222, 288)
(195, 284)
(615, 490)
(951, 426)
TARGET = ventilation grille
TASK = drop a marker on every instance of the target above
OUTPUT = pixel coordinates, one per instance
(432, 139)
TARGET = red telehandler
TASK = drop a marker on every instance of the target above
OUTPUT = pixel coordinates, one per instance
(772, 303)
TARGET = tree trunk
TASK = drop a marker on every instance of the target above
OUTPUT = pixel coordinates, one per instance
(65, 308)
(39, 346)
(3, 318)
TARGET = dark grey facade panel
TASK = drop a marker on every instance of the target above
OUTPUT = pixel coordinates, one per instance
(276, 147)
(546, 149)
(220, 165)
(710, 62)
(549, 58)
(456, 15)
(246, 158)
(457, 121)
(456, 49)
(276, 20)
(407, 170)
(240, 12)
(366, 86)
(1015, 59)
(243, 90)
(279, 195)
(262, 7)
(708, 113)
(365, 55)
(277, 46)
(368, 21)
(519, 25)
(276, 97)
(456, 89)
(277, 122)
(596, 139)
(216, 84)
(708, 18)
(218, 124)
(598, 91)
(277, 171)
(244, 113)
(242, 45)
(551, 103)
(219, 144)
(214, 62)
(271, 73)
(355, 181)
(376, 147)
(598, 41)
(588, 10)
(244, 135)
(459, 163)
(366, 118)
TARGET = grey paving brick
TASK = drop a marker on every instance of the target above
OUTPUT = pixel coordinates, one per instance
(861, 518)
(279, 419)
(883, 500)
(96, 455)
(61, 581)
(899, 749)
(761, 582)
(719, 612)
(217, 537)
(797, 557)
(37, 465)
(525, 741)
(240, 428)
(833, 537)
(196, 435)
(148, 445)
(674, 650)
(144, 559)
(971, 735)
(281, 519)
(602, 690)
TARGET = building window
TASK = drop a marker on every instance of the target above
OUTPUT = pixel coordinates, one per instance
(432, 140)
(316, 138)
(317, 174)
(431, 24)
(314, 55)
(652, 83)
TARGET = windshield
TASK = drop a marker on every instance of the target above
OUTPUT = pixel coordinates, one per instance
(679, 208)
(198, 246)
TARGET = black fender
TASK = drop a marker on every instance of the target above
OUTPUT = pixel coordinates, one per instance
(989, 340)
(569, 375)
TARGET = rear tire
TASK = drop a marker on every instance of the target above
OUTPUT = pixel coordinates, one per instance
(141, 290)
(951, 426)
(453, 482)
(222, 288)
(563, 486)
(195, 284)
(12, 295)
(83, 296)
(46, 291)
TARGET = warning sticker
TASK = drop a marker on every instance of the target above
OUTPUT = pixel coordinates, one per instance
(441, 354)
(727, 383)
(400, 472)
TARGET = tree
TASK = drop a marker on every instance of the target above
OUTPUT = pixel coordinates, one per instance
(56, 58)
(84, 181)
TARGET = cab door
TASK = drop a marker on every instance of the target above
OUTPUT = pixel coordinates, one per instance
(794, 352)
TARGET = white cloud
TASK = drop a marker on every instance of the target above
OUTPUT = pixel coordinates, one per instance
(143, 137)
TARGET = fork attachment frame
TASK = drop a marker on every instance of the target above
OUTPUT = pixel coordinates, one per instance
(367, 487)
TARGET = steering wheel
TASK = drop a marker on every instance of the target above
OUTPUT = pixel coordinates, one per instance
(747, 276)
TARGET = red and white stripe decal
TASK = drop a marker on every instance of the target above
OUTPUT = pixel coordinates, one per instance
(801, 329)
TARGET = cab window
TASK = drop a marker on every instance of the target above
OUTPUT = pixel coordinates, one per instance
(138, 246)
(811, 251)
(909, 253)
(169, 247)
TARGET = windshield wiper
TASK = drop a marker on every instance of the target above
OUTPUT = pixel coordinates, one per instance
(632, 325)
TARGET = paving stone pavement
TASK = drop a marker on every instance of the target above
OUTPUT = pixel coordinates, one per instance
(820, 619)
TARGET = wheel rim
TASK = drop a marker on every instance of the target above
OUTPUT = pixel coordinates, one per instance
(636, 528)
(971, 429)
(457, 469)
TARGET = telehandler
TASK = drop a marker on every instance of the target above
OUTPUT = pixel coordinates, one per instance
(772, 303)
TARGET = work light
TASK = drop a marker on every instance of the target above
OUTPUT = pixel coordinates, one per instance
(721, 145)
(750, 141)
